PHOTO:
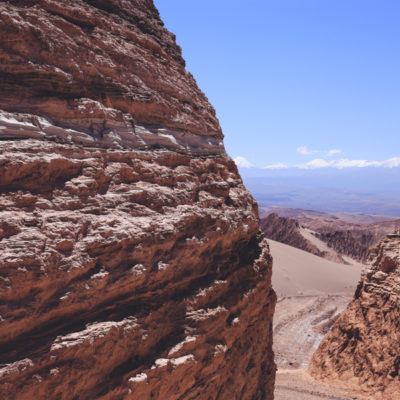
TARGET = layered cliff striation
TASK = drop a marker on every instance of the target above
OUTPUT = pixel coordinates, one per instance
(82, 62)
(363, 347)
(131, 261)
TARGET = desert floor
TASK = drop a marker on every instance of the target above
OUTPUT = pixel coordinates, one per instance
(312, 292)
(299, 385)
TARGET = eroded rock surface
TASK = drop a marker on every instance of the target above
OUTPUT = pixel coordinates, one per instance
(363, 346)
(84, 62)
(124, 264)
(131, 261)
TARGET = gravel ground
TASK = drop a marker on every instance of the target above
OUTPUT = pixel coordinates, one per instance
(298, 385)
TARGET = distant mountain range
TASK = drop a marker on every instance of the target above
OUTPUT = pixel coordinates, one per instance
(369, 190)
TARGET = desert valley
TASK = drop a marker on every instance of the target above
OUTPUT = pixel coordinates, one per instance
(315, 278)
(134, 261)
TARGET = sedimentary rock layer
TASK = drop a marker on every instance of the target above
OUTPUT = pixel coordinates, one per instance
(363, 346)
(130, 273)
(83, 62)
(131, 261)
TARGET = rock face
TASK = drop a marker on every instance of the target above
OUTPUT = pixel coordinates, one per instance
(85, 62)
(131, 261)
(352, 243)
(363, 346)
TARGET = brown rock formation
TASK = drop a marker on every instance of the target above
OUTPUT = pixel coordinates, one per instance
(350, 235)
(83, 62)
(352, 243)
(363, 346)
(287, 230)
(356, 239)
(131, 261)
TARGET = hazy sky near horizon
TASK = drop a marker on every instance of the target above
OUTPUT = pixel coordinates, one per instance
(294, 81)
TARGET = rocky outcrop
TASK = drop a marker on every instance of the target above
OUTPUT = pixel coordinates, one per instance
(363, 346)
(131, 261)
(348, 235)
(88, 62)
(353, 243)
(287, 230)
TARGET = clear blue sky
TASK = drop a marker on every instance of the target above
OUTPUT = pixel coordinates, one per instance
(283, 74)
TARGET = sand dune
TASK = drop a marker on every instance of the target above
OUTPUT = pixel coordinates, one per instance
(296, 272)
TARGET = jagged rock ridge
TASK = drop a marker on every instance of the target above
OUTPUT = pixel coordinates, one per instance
(363, 346)
(131, 261)
(287, 230)
(344, 238)
(353, 243)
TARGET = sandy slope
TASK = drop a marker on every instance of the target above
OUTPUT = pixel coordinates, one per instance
(330, 253)
(297, 272)
(312, 292)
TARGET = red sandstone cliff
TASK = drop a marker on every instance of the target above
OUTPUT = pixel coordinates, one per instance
(363, 347)
(131, 261)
